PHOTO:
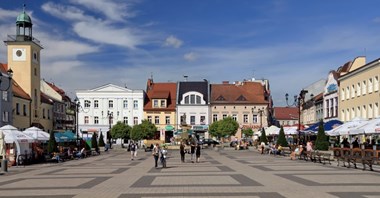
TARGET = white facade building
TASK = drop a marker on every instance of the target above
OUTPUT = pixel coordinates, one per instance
(104, 106)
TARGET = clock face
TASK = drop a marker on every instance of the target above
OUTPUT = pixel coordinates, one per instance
(19, 54)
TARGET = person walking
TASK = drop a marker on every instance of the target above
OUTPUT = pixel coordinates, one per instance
(192, 152)
(156, 153)
(182, 151)
(133, 149)
(198, 153)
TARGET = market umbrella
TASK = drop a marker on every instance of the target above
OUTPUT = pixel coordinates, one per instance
(370, 127)
(349, 128)
(37, 134)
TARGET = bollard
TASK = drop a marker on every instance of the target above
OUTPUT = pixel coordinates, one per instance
(4, 165)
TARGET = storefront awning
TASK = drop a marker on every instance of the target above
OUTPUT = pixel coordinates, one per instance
(200, 127)
(169, 128)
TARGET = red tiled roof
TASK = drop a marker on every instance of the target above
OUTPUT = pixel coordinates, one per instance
(247, 92)
(285, 113)
(19, 92)
(57, 89)
(160, 91)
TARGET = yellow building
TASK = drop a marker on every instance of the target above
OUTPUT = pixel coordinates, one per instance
(359, 90)
(160, 108)
(24, 60)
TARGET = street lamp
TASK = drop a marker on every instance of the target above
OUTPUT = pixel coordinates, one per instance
(9, 75)
(110, 117)
(77, 105)
(260, 111)
(298, 101)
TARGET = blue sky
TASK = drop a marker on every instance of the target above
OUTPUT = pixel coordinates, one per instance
(292, 43)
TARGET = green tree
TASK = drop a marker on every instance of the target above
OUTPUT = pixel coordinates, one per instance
(263, 137)
(247, 132)
(224, 128)
(101, 140)
(52, 144)
(145, 130)
(94, 141)
(120, 130)
(281, 138)
(321, 143)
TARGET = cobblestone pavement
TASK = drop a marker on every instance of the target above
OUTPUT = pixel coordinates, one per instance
(225, 173)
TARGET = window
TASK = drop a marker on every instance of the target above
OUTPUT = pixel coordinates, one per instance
(234, 117)
(352, 113)
(192, 120)
(86, 120)
(155, 103)
(342, 94)
(214, 117)
(110, 104)
(370, 111)
(376, 110)
(348, 93)
(5, 95)
(17, 109)
(125, 104)
(376, 84)
(187, 100)
(331, 111)
(5, 116)
(203, 120)
(198, 100)
(150, 119)
(364, 111)
(224, 116)
(167, 119)
(163, 103)
(192, 99)
(135, 104)
(336, 106)
(245, 118)
(125, 120)
(358, 112)
(364, 87)
(87, 104)
(156, 119)
(43, 114)
(254, 119)
(135, 120)
(96, 120)
(358, 90)
(96, 103)
(343, 116)
(25, 111)
(48, 114)
(353, 91)
(370, 85)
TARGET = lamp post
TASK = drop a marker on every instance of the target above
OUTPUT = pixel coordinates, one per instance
(77, 105)
(110, 117)
(298, 101)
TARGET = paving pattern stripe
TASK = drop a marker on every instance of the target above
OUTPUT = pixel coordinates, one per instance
(93, 182)
(146, 181)
(238, 194)
(355, 194)
(57, 172)
(297, 168)
(40, 196)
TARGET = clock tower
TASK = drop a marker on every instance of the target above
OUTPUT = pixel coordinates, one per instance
(24, 60)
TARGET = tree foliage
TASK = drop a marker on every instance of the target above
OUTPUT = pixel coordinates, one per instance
(281, 138)
(52, 144)
(145, 130)
(263, 137)
(322, 142)
(120, 130)
(94, 141)
(247, 132)
(101, 140)
(224, 128)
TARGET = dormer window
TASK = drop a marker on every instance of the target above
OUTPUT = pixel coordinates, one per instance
(155, 103)
(193, 98)
(163, 104)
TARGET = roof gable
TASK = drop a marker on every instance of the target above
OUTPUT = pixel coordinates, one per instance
(246, 92)
(110, 88)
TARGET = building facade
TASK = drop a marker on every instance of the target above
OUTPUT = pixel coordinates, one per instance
(102, 107)
(359, 91)
(244, 101)
(160, 108)
(5, 96)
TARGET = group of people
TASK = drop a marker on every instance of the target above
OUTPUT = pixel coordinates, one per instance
(157, 153)
(195, 152)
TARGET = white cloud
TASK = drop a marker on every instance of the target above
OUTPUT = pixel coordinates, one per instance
(65, 12)
(6, 15)
(191, 56)
(116, 11)
(172, 41)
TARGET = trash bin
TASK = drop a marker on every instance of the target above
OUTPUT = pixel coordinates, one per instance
(4, 165)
